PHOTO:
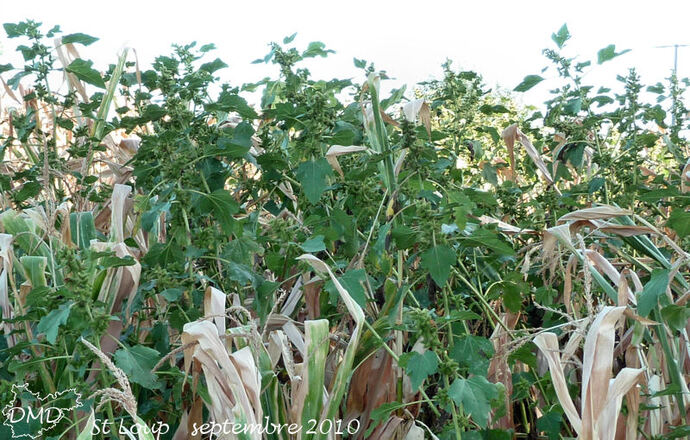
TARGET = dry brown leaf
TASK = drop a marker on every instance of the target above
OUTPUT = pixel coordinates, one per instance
(339, 150)
(214, 307)
(595, 213)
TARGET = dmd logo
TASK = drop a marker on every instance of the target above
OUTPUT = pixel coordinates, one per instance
(30, 416)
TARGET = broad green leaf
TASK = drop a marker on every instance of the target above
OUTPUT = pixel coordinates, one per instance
(404, 237)
(288, 40)
(419, 366)
(137, 363)
(50, 323)
(223, 206)
(213, 66)
(312, 175)
(573, 107)
(561, 36)
(550, 423)
(79, 38)
(527, 83)
(472, 352)
(242, 250)
(83, 70)
(314, 244)
(172, 294)
(651, 292)
(484, 238)
(28, 190)
(474, 395)
(609, 53)
(353, 281)
(316, 48)
(5, 67)
(438, 261)
(679, 221)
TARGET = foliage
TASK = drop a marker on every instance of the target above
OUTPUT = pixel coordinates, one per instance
(333, 255)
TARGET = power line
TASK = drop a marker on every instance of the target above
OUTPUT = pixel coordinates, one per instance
(675, 71)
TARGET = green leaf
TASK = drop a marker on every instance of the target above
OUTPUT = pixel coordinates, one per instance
(213, 66)
(83, 70)
(438, 261)
(314, 244)
(484, 238)
(137, 362)
(50, 323)
(288, 40)
(312, 176)
(550, 423)
(232, 102)
(527, 83)
(79, 38)
(609, 53)
(28, 190)
(223, 206)
(651, 292)
(472, 352)
(316, 48)
(573, 106)
(5, 68)
(240, 143)
(561, 36)
(474, 395)
(353, 281)
(679, 221)
(419, 366)
(172, 294)
(404, 237)
(675, 316)
(242, 250)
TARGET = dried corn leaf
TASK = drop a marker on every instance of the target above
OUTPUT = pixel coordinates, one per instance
(339, 150)
(595, 213)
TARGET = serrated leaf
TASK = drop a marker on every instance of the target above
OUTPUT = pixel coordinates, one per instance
(223, 206)
(561, 36)
(438, 261)
(527, 83)
(609, 53)
(473, 353)
(288, 40)
(679, 221)
(137, 362)
(312, 176)
(474, 395)
(419, 366)
(83, 70)
(314, 244)
(352, 281)
(79, 38)
(550, 423)
(50, 323)
(172, 294)
(213, 66)
(316, 48)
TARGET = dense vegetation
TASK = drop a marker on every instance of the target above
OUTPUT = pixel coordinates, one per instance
(436, 263)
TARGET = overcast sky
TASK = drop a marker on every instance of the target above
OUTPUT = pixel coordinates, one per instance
(502, 40)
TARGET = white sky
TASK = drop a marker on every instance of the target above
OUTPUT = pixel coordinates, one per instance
(502, 40)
